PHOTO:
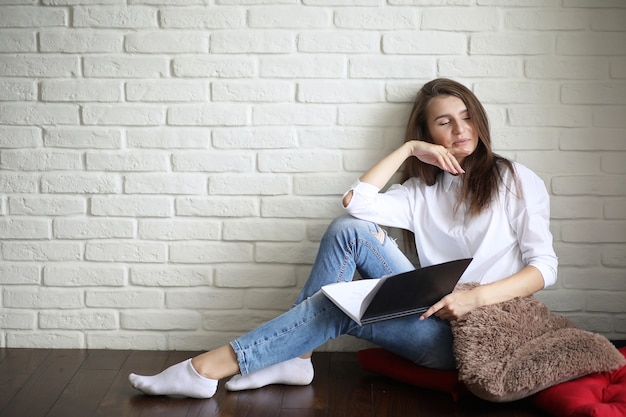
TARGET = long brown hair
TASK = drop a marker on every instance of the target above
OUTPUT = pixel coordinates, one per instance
(483, 169)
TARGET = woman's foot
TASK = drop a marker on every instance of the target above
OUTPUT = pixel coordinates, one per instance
(179, 379)
(296, 371)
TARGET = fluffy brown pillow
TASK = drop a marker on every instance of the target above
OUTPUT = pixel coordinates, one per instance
(510, 350)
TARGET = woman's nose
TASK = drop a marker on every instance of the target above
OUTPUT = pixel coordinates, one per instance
(459, 128)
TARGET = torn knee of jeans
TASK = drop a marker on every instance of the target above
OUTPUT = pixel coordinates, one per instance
(379, 234)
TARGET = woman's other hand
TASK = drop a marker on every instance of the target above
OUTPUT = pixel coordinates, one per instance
(453, 305)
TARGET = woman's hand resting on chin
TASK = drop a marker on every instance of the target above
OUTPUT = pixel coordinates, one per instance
(436, 155)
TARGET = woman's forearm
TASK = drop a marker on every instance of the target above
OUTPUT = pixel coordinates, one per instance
(458, 303)
(380, 174)
(526, 282)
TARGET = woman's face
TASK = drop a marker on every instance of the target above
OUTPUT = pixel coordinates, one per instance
(450, 126)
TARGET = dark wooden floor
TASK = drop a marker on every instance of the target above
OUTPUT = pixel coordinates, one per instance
(83, 383)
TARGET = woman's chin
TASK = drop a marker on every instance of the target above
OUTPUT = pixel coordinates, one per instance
(461, 153)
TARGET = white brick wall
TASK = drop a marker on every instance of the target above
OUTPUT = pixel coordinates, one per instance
(168, 167)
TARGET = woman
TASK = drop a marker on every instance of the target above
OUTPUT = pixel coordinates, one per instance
(459, 199)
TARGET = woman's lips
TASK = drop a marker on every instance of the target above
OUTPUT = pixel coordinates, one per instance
(461, 142)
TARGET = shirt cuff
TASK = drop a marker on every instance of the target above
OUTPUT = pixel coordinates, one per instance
(548, 274)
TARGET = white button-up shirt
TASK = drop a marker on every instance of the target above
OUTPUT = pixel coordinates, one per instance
(513, 232)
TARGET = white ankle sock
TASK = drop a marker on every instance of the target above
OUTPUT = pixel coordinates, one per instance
(296, 371)
(179, 379)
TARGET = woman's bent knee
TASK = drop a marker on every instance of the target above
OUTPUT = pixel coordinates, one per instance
(347, 223)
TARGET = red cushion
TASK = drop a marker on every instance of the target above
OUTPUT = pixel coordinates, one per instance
(595, 395)
(383, 362)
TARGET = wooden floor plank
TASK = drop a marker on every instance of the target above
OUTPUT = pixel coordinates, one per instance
(16, 368)
(432, 403)
(84, 392)
(162, 406)
(106, 359)
(23, 360)
(391, 398)
(265, 402)
(3, 354)
(46, 384)
(90, 384)
(212, 407)
(303, 397)
(296, 412)
(349, 394)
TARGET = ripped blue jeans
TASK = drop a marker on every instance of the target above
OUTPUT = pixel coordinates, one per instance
(349, 244)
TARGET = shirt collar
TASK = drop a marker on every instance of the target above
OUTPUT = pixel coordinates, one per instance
(448, 180)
